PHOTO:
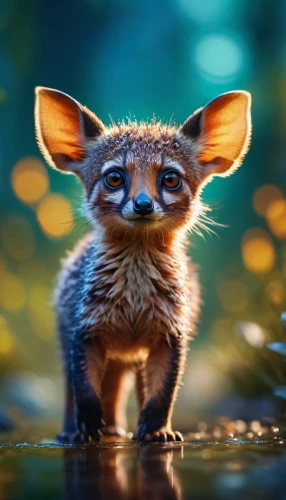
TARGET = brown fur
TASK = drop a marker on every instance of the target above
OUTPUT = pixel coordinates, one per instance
(115, 389)
(128, 296)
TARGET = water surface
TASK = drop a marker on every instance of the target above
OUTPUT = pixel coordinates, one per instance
(220, 465)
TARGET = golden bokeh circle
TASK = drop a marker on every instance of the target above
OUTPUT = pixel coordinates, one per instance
(7, 344)
(54, 214)
(258, 252)
(29, 179)
(276, 218)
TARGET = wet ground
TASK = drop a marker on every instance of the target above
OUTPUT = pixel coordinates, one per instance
(230, 461)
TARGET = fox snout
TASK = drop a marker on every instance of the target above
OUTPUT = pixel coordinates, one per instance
(142, 208)
(143, 205)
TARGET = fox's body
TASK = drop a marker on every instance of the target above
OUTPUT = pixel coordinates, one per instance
(128, 296)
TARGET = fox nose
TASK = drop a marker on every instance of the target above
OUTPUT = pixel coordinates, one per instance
(143, 205)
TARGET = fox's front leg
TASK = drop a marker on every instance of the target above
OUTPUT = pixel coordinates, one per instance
(87, 366)
(164, 370)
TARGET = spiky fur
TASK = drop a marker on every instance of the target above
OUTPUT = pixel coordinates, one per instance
(128, 295)
(129, 288)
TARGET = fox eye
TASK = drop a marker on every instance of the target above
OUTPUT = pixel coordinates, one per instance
(171, 180)
(114, 179)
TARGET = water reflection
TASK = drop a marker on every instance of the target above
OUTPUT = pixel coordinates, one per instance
(234, 459)
(121, 472)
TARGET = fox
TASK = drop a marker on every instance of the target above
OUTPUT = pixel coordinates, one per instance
(128, 296)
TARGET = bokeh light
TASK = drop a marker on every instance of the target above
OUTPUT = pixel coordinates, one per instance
(219, 57)
(206, 11)
(258, 252)
(54, 214)
(233, 295)
(17, 238)
(12, 292)
(7, 343)
(264, 196)
(252, 333)
(276, 218)
(44, 391)
(30, 180)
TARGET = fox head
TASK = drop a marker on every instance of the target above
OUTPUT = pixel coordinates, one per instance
(142, 177)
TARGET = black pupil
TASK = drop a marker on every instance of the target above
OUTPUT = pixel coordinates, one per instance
(114, 178)
(170, 178)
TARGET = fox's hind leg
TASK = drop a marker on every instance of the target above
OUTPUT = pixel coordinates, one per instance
(115, 390)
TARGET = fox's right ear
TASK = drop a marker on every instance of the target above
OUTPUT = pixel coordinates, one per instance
(64, 128)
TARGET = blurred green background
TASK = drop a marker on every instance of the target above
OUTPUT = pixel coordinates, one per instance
(140, 58)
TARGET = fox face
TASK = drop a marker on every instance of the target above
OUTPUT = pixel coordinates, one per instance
(144, 186)
(138, 177)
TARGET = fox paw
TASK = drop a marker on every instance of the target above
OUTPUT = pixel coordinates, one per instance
(162, 435)
(70, 438)
(89, 416)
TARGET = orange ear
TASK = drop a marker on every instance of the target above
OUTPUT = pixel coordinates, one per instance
(63, 128)
(221, 131)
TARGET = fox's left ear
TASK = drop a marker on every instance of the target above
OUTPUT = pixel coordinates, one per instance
(220, 133)
(64, 129)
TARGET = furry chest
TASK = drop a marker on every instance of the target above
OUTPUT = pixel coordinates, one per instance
(134, 300)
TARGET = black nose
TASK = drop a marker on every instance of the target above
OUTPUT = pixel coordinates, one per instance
(142, 205)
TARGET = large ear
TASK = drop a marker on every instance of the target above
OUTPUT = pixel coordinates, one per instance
(63, 128)
(221, 132)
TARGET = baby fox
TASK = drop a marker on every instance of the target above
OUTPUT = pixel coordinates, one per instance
(128, 296)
